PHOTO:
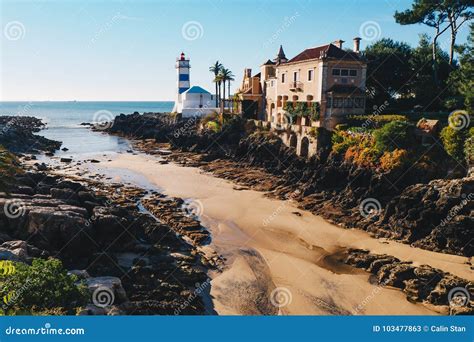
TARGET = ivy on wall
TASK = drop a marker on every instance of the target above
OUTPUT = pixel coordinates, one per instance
(300, 109)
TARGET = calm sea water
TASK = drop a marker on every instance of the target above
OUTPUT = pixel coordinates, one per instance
(63, 121)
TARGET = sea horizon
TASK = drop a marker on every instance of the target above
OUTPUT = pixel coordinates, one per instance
(22, 101)
(63, 121)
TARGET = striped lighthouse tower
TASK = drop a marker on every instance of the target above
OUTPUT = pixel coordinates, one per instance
(182, 68)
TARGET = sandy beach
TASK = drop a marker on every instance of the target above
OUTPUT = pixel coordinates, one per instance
(273, 247)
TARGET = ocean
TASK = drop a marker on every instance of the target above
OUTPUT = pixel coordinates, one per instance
(63, 122)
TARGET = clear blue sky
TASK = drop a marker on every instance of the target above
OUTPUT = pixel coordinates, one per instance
(126, 50)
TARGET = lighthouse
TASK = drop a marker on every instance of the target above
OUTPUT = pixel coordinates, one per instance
(190, 101)
(182, 69)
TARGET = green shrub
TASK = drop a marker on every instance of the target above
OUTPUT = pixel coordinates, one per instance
(213, 126)
(313, 132)
(454, 141)
(358, 148)
(396, 134)
(42, 287)
(469, 147)
(373, 121)
(358, 130)
(341, 127)
(341, 141)
(362, 155)
(209, 117)
(385, 147)
(8, 168)
(394, 160)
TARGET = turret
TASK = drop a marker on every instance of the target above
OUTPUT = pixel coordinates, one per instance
(280, 58)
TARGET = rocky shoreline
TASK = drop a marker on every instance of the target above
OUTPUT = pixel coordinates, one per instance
(146, 247)
(102, 234)
(431, 210)
(434, 214)
(422, 284)
(17, 135)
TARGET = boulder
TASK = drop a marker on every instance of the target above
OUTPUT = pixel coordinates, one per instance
(109, 286)
(64, 194)
(395, 275)
(439, 295)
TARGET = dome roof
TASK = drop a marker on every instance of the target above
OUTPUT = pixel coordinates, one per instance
(196, 90)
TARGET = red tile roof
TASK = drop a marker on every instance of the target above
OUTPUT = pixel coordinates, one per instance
(323, 51)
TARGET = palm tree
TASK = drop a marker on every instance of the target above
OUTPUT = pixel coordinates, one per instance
(227, 76)
(216, 69)
(230, 78)
(218, 82)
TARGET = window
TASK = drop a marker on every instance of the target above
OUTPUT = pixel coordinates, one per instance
(344, 72)
(295, 76)
(271, 84)
(310, 75)
(329, 102)
(344, 80)
(348, 102)
(338, 102)
(282, 78)
(359, 102)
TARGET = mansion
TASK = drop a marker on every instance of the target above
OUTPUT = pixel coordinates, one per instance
(326, 78)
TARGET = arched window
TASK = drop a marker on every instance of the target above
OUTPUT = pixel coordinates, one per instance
(293, 140)
(304, 147)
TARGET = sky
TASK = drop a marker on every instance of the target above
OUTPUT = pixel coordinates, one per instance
(126, 50)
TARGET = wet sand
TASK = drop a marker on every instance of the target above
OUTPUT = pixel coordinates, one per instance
(279, 262)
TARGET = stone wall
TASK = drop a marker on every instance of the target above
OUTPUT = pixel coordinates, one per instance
(301, 138)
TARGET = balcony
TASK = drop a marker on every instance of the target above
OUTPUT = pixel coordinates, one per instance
(296, 86)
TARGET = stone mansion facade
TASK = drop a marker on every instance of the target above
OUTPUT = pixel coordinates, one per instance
(327, 76)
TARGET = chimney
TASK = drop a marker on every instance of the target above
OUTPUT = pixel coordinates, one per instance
(357, 44)
(338, 43)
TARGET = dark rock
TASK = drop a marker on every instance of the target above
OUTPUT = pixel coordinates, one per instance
(64, 194)
(419, 283)
(41, 167)
(18, 135)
